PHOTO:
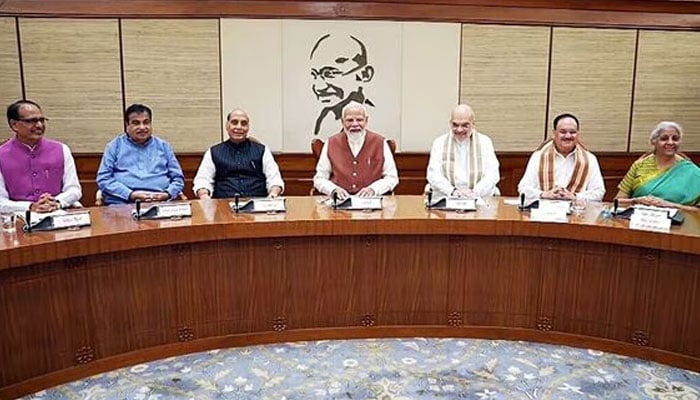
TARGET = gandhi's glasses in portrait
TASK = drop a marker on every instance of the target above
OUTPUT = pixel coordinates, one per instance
(331, 72)
(34, 121)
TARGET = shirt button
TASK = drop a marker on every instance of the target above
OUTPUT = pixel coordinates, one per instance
(354, 186)
(34, 173)
(354, 162)
(36, 191)
(354, 174)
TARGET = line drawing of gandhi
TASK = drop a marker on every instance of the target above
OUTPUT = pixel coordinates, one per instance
(339, 68)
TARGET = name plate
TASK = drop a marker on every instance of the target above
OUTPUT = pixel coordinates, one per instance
(650, 219)
(262, 205)
(549, 214)
(58, 220)
(165, 210)
(358, 203)
(71, 220)
(558, 205)
(460, 204)
(366, 203)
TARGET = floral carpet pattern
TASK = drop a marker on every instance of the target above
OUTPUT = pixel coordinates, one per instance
(390, 369)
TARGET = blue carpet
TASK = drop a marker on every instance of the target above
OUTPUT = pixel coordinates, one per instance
(386, 369)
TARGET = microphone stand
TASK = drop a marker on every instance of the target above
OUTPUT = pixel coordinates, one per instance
(28, 220)
(138, 210)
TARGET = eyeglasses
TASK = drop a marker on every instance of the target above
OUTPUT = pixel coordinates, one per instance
(34, 121)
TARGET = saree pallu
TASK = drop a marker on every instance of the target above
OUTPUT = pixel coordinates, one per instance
(680, 184)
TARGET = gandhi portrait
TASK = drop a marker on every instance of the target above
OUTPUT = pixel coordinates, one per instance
(340, 70)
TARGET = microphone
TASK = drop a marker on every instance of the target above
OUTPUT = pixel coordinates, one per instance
(28, 220)
(335, 199)
(236, 200)
(138, 210)
(430, 198)
(522, 201)
(616, 203)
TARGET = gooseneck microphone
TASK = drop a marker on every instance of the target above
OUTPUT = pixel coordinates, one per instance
(522, 201)
(616, 203)
(236, 200)
(430, 198)
(138, 210)
(28, 219)
(335, 199)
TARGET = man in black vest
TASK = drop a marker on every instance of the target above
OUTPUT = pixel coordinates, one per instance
(239, 166)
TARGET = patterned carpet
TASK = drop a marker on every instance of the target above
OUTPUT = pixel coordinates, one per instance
(387, 369)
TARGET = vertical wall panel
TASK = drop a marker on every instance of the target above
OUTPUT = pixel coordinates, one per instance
(504, 78)
(71, 68)
(10, 83)
(252, 77)
(592, 71)
(173, 66)
(667, 87)
(430, 82)
(328, 63)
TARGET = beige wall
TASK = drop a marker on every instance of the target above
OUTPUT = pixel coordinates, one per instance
(10, 83)
(620, 82)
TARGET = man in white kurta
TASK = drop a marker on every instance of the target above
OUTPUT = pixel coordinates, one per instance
(562, 169)
(463, 162)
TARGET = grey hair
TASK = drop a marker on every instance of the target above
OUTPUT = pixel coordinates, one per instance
(353, 105)
(662, 126)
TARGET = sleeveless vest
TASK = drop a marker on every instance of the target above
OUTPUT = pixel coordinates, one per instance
(354, 173)
(239, 169)
(29, 173)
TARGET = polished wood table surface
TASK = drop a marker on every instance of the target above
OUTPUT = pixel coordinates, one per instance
(73, 303)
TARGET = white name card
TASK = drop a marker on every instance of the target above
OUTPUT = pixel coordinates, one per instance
(555, 205)
(366, 203)
(174, 210)
(650, 219)
(262, 205)
(549, 214)
(71, 219)
(460, 204)
(269, 205)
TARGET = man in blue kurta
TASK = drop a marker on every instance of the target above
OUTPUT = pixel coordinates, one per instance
(137, 165)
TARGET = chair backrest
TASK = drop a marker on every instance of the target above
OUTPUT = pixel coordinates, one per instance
(392, 146)
(316, 147)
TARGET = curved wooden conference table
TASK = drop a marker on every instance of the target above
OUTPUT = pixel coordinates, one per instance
(73, 303)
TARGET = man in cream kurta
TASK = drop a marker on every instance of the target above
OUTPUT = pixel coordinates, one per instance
(463, 162)
(562, 169)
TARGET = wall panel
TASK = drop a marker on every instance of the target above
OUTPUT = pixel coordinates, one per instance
(241, 59)
(592, 71)
(173, 66)
(504, 78)
(10, 83)
(430, 82)
(668, 86)
(71, 68)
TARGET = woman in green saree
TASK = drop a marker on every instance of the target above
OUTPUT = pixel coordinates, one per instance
(663, 177)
